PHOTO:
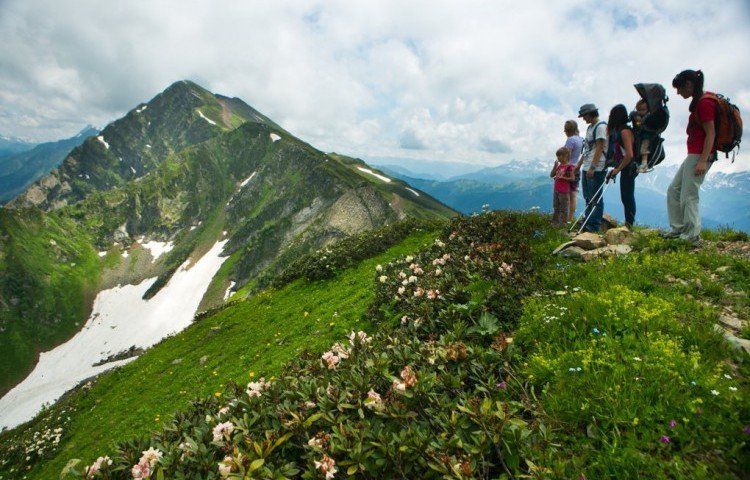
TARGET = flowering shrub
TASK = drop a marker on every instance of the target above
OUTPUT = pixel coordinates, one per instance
(480, 266)
(429, 398)
(35, 442)
(327, 261)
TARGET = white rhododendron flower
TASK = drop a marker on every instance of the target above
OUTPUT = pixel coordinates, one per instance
(327, 466)
(225, 467)
(373, 400)
(222, 430)
(362, 336)
(330, 359)
(254, 389)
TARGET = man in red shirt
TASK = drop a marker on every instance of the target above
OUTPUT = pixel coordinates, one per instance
(682, 195)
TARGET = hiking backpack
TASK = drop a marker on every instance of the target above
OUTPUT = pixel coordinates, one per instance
(653, 123)
(656, 119)
(728, 124)
(613, 154)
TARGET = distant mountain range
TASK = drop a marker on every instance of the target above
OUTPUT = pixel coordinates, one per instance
(725, 197)
(19, 169)
(10, 146)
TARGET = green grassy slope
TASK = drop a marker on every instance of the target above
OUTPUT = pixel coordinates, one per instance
(497, 361)
(49, 277)
(246, 340)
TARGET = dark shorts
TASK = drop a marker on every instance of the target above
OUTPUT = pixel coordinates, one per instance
(574, 183)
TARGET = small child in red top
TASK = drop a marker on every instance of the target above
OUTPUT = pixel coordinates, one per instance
(563, 174)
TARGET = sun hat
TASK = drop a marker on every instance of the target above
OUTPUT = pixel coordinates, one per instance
(587, 108)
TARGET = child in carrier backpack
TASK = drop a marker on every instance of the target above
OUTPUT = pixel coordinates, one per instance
(641, 109)
(563, 174)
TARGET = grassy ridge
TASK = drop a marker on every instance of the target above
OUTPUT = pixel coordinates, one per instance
(247, 340)
(50, 272)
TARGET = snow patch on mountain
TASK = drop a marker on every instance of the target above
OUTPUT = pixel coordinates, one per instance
(206, 118)
(158, 249)
(103, 142)
(381, 177)
(275, 137)
(121, 318)
(245, 181)
(229, 291)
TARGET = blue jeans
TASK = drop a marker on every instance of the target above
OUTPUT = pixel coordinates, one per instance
(594, 206)
(627, 192)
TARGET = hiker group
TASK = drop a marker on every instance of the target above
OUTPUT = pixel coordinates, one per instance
(627, 144)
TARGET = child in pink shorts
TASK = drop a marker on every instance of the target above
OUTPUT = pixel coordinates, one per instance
(563, 174)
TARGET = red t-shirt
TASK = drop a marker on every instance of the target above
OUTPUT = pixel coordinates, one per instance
(705, 111)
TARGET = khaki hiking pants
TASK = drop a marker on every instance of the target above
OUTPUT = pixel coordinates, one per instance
(682, 199)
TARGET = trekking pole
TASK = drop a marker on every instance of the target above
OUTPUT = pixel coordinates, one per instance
(586, 207)
(579, 218)
(598, 197)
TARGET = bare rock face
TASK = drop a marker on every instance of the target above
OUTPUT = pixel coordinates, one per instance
(572, 252)
(357, 211)
(589, 241)
(608, 221)
(605, 252)
(563, 247)
(590, 246)
(619, 236)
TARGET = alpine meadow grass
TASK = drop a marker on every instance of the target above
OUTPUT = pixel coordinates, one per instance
(468, 352)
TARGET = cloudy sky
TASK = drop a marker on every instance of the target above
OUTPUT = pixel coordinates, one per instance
(482, 82)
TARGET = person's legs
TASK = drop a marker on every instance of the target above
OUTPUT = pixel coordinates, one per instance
(555, 208)
(689, 198)
(572, 204)
(588, 193)
(644, 155)
(564, 204)
(596, 186)
(627, 194)
(674, 208)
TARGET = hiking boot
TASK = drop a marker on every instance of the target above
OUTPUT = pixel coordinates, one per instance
(695, 242)
(669, 235)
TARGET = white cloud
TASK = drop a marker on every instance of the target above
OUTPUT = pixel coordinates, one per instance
(481, 81)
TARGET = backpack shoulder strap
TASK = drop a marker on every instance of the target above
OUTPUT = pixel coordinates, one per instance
(596, 127)
(712, 96)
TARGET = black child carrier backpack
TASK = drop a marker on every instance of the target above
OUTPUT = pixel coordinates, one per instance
(653, 123)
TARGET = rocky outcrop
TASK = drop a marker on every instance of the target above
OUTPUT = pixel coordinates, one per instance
(731, 327)
(590, 246)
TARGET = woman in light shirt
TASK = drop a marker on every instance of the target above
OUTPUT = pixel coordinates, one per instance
(574, 143)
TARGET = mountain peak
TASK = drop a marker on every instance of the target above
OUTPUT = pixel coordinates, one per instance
(183, 115)
(185, 88)
(87, 131)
